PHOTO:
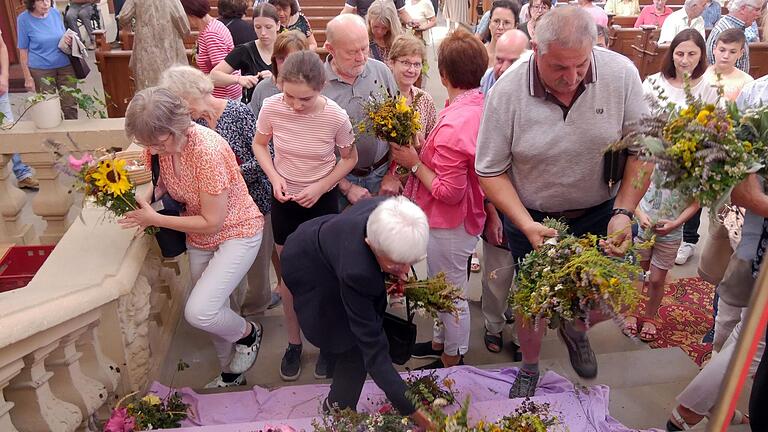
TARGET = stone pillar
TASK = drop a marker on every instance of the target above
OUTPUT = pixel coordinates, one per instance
(53, 201)
(7, 373)
(36, 408)
(94, 363)
(12, 200)
(68, 382)
(133, 312)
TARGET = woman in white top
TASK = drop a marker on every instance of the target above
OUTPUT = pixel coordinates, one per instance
(686, 57)
(729, 47)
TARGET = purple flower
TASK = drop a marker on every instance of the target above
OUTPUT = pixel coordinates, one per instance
(120, 421)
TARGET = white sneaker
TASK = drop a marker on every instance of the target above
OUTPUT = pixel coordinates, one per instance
(220, 383)
(684, 253)
(245, 355)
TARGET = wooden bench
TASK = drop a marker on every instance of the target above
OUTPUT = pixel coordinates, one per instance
(623, 21)
(758, 59)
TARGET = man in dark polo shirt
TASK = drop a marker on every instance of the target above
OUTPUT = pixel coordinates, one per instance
(352, 79)
(545, 128)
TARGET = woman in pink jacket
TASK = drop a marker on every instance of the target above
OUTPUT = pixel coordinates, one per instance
(445, 186)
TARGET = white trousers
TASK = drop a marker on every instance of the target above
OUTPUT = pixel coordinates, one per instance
(215, 275)
(701, 394)
(497, 281)
(252, 295)
(448, 251)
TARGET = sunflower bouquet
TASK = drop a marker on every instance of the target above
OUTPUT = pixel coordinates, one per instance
(432, 295)
(702, 149)
(101, 177)
(565, 279)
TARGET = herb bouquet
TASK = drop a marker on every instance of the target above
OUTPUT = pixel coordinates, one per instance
(703, 149)
(528, 417)
(564, 280)
(432, 295)
(389, 118)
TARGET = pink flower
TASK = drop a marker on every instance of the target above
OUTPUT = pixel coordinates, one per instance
(120, 421)
(386, 409)
(77, 164)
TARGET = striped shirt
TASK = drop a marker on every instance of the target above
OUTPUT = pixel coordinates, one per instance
(213, 45)
(306, 154)
(725, 23)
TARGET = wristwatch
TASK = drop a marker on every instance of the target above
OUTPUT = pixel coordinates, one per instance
(623, 211)
(415, 167)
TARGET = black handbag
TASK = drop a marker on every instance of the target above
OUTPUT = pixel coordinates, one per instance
(401, 335)
(172, 243)
(614, 162)
(80, 66)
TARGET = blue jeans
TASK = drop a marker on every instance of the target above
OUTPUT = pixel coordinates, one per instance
(20, 170)
(372, 182)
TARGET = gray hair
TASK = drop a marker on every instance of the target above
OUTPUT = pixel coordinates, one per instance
(735, 5)
(398, 229)
(186, 82)
(689, 3)
(153, 112)
(568, 26)
(346, 18)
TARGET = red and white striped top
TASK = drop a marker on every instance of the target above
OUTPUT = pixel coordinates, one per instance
(213, 45)
(304, 143)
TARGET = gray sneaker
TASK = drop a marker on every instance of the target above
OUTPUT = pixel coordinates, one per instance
(580, 352)
(524, 385)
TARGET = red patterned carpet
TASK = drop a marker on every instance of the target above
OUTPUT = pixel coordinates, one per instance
(685, 316)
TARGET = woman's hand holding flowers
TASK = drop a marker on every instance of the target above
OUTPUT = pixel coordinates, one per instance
(405, 156)
(143, 217)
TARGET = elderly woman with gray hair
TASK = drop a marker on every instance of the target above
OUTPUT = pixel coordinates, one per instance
(221, 221)
(235, 122)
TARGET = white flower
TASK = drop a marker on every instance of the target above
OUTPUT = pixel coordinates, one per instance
(439, 403)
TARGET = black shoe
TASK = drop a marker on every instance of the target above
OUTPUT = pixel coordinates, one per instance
(509, 317)
(321, 367)
(424, 350)
(290, 366)
(438, 364)
(580, 352)
(524, 385)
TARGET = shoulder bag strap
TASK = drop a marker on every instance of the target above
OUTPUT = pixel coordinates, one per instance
(155, 160)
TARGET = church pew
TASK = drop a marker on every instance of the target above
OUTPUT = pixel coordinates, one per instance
(628, 41)
(623, 21)
(758, 59)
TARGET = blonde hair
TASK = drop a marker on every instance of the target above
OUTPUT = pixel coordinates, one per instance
(407, 45)
(385, 12)
(286, 43)
(186, 82)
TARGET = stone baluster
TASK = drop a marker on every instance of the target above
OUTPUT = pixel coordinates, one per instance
(12, 200)
(7, 373)
(94, 363)
(36, 408)
(69, 383)
(53, 201)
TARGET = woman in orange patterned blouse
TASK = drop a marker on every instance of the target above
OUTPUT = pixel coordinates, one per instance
(222, 223)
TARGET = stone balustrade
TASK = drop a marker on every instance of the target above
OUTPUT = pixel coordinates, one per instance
(53, 201)
(81, 333)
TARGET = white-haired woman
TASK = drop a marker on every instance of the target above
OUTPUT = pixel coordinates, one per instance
(335, 268)
(222, 223)
(235, 122)
(383, 27)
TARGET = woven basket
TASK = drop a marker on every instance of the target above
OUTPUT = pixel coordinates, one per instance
(136, 176)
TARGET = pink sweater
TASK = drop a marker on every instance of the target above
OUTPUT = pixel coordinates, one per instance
(456, 197)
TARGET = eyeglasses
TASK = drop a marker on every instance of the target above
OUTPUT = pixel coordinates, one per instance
(540, 7)
(409, 65)
(157, 142)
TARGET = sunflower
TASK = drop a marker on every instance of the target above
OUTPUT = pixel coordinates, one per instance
(111, 177)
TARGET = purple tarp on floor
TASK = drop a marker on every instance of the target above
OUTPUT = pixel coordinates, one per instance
(582, 409)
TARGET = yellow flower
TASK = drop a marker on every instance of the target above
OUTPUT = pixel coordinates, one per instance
(151, 399)
(747, 146)
(111, 177)
(703, 117)
(402, 105)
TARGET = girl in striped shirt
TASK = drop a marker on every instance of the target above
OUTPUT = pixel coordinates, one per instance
(307, 130)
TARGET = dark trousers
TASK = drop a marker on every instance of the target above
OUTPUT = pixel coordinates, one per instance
(348, 371)
(691, 228)
(594, 221)
(758, 401)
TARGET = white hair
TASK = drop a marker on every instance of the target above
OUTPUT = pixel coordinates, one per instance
(333, 25)
(186, 82)
(398, 229)
(735, 5)
(569, 26)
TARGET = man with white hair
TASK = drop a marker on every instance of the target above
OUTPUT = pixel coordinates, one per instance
(352, 78)
(335, 267)
(510, 46)
(689, 16)
(540, 154)
(741, 14)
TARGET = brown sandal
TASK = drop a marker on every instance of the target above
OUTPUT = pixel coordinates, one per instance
(648, 335)
(630, 326)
